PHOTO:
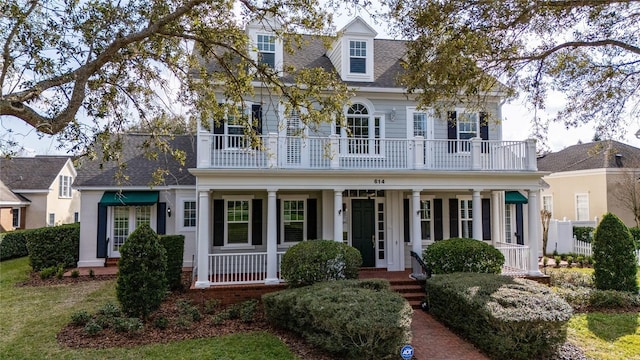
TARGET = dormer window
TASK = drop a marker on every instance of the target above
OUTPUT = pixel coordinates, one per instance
(267, 50)
(357, 57)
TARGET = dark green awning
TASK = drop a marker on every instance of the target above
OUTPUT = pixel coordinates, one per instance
(115, 198)
(514, 197)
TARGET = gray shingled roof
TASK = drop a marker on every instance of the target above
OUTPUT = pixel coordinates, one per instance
(595, 155)
(139, 168)
(8, 197)
(31, 173)
(387, 60)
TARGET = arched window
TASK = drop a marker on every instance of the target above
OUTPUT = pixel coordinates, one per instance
(362, 130)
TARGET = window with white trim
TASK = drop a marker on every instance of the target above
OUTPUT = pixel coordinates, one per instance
(426, 222)
(76, 217)
(293, 220)
(64, 186)
(357, 57)
(125, 220)
(362, 132)
(465, 220)
(15, 218)
(188, 214)
(582, 207)
(52, 219)
(547, 203)
(238, 222)
(267, 50)
(508, 223)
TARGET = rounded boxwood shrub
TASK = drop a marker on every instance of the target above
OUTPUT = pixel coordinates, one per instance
(142, 283)
(614, 256)
(463, 255)
(314, 261)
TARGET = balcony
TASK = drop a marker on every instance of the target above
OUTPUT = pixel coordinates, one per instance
(333, 152)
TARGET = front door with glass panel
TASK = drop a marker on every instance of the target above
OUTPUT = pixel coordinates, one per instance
(124, 220)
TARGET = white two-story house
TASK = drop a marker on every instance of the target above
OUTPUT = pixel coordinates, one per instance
(391, 180)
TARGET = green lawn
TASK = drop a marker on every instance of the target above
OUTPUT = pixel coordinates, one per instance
(606, 336)
(30, 318)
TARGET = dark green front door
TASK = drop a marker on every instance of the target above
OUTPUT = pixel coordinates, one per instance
(363, 229)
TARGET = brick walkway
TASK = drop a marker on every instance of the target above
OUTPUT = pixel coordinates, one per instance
(433, 341)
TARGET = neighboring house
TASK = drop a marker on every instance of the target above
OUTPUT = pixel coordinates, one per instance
(394, 179)
(43, 184)
(12, 209)
(589, 180)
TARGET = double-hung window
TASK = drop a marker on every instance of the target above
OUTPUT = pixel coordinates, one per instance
(466, 218)
(467, 124)
(15, 218)
(582, 207)
(357, 57)
(64, 186)
(547, 203)
(426, 220)
(293, 216)
(267, 50)
(238, 221)
(188, 214)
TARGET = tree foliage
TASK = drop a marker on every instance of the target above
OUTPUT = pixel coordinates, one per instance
(614, 256)
(79, 68)
(588, 50)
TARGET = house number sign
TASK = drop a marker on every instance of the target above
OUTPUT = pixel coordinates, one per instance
(378, 181)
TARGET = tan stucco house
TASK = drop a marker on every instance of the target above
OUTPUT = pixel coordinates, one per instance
(37, 192)
(589, 180)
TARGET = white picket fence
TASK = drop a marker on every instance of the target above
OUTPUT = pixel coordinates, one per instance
(584, 248)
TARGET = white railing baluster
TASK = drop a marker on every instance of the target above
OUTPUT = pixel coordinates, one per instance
(240, 268)
(515, 258)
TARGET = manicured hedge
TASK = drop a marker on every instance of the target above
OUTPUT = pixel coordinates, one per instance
(52, 246)
(635, 233)
(463, 255)
(174, 246)
(508, 318)
(349, 318)
(13, 244)
(314, 261)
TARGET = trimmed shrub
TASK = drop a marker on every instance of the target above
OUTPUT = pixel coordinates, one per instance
(80, 318)
(92, 328)
(463, 255)
(174, 246)
(346, 317)
(142, 283)
(614, 256)
(50, 246)
(13, 244)
(506, 317)
(127, 325)
(48, 272)
(635, 234)
(583, 233)
(569, 278)
(611, 299)
(314, 261)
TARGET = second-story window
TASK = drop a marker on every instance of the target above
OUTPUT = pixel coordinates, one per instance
(64, 186)
(267, 50)
(463, 125)
(358, 57)
(363, 131)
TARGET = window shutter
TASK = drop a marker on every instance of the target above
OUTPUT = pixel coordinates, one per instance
(161, 218)
(486, 219)
(102, 231)
(452, 131)
(218, 129)
(278, 220)
(256, 222)
(438, 233)
(484, 131)
(312, 219)
(218, 222)
(406, 215)
(256, 118)
(453, 218)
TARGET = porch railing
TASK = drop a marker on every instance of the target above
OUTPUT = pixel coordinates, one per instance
(239, 268)
(516, 258)
(333, 152)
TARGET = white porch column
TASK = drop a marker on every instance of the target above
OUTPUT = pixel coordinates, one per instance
(476, 222)
(534, 231)
(416, 233)
(496, 215)
(272, 239)
(337, 215)
(203, 240)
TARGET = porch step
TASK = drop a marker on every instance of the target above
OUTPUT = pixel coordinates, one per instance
(411, 290)
(111, 262)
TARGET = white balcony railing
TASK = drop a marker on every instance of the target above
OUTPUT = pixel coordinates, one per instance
(287, 152)
(240, 268)
(516, 258)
